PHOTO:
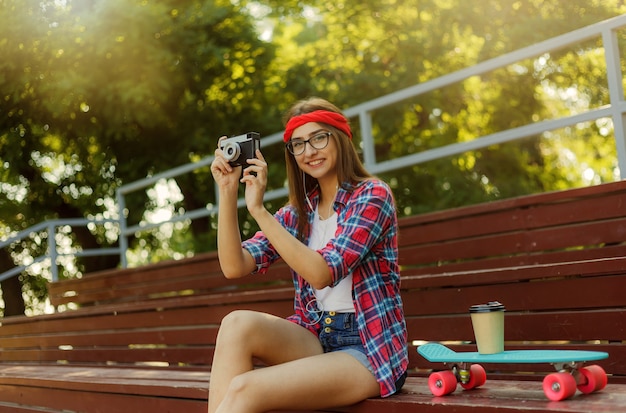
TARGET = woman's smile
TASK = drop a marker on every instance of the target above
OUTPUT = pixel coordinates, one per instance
(315, 163)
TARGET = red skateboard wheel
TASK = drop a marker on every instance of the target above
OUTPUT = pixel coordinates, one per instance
(559, 386)
(477, 377)
(593, 379)
(441, 383)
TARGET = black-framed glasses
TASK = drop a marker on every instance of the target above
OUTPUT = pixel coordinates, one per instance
(318, 141)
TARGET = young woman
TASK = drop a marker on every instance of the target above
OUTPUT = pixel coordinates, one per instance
(338, 233)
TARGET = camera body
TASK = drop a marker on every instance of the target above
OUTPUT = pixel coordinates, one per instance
(238, 149)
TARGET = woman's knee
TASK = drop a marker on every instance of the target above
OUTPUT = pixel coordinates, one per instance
(240, 385)
(269, 338)
(239, 324)
(241, 394)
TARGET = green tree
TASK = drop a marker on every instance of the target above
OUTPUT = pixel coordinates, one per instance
(99, 93)
(351, 52)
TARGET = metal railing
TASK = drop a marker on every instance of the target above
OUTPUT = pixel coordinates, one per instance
(52, 254)
(616, 110)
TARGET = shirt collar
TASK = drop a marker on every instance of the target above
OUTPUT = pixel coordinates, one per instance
(343, 195)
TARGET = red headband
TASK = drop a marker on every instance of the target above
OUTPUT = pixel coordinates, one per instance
(321, 116)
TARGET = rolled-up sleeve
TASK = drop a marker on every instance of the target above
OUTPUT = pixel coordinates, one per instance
(260, 247)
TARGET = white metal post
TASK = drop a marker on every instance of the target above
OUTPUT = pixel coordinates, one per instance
(123, 237)
(616, 93)
(52, 252)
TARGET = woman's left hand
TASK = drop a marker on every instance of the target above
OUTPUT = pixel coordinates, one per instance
(255, 179)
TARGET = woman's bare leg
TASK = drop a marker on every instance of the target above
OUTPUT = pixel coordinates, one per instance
(245, 335)
(316, 382)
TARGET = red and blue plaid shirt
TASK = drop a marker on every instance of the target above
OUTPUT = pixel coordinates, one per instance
(366, 246)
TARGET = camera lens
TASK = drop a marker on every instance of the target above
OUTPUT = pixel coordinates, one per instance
(231, 151)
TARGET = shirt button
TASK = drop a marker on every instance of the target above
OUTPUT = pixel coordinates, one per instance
(327, 330)
(328, 320)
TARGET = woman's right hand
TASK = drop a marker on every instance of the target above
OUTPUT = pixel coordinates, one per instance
(225, 175)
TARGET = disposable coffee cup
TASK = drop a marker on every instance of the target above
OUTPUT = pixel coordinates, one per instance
(488, 324)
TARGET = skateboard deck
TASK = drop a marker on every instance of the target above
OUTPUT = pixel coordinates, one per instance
(436, 352)
(557, 386)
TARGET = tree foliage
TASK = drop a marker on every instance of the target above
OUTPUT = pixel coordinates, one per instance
(357, 52)
(98, 93)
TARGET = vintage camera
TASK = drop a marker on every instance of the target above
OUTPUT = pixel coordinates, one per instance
(238, 149)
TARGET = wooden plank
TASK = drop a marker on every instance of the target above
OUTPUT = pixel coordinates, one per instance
(192, 310)
(570, 195)
(493, 226)
(163, 335)
(106, 390)
(562, 292)
(233, 297)
(94, 402)
(517, 242)
(585, 268)
(153, 284)
(514, 261)
(195, 356)
(580, 326)
(494, 397)
(173, 335)
(201, 263)
(204, 262)
(143, 382)
(6, 407)
(161, 326)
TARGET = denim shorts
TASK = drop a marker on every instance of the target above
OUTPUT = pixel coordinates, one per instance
(340, 333)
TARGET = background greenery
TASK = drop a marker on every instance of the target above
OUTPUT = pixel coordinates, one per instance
(98, 93)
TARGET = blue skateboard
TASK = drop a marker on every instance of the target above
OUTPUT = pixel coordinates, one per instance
(464, 369)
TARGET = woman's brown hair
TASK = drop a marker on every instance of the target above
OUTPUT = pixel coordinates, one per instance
(350, 169)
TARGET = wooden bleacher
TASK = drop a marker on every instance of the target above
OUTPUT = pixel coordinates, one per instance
(141, 339)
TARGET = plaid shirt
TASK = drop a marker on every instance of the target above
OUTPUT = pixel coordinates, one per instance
(365, 245)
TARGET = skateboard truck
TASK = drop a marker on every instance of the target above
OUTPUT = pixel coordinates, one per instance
(464, 375)
(461, 371)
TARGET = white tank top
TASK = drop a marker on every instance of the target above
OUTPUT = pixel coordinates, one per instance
(339, 297)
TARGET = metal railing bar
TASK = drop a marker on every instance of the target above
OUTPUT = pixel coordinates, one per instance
(183, 169)
(203, 212)
(43, 226)
(91, 252)
(15, 271)
(616, 92)
(508, 135)
(134, 186)
(528, 52)
(24, 233)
